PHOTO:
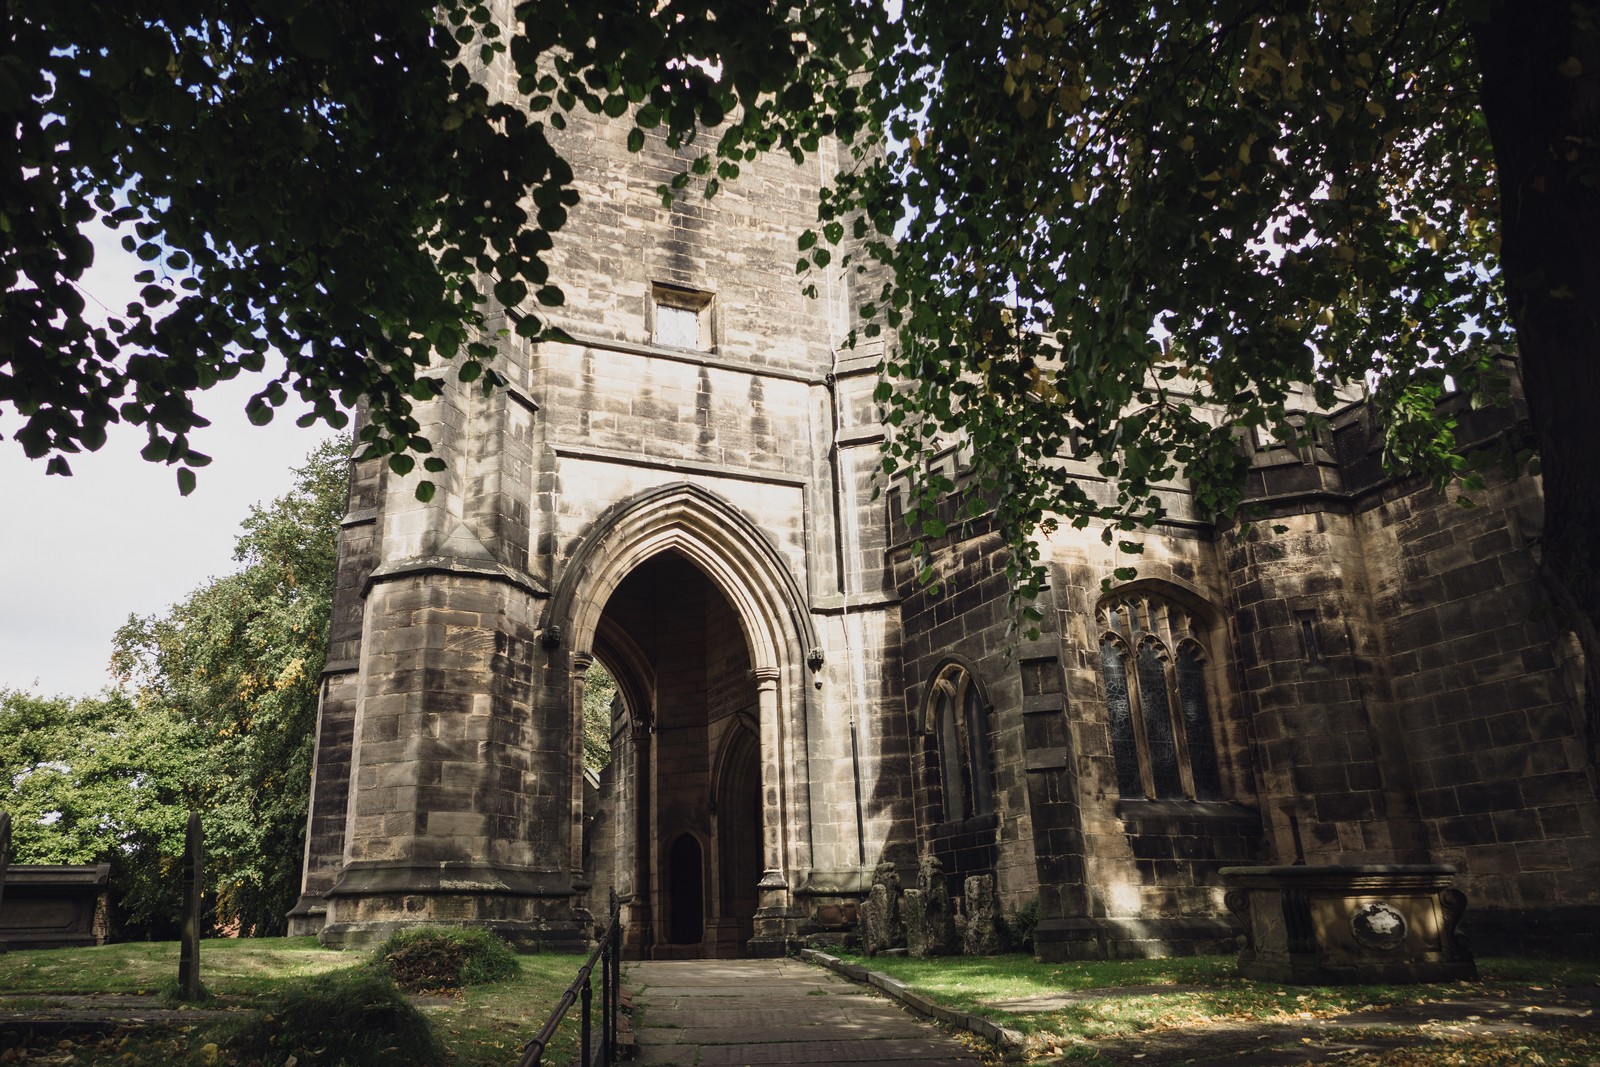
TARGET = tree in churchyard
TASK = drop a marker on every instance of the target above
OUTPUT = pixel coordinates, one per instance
(599, 690)
(100, 780)
(1302, 194)
(238, 664)
(217, 714)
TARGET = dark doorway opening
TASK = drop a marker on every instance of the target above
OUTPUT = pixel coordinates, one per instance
(685, 892)
(692, 840)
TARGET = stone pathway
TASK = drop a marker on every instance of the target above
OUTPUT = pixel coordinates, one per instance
(766, 1013)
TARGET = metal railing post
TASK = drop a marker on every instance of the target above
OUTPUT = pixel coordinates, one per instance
(610, 975)
(583, 1014)
(608, 954)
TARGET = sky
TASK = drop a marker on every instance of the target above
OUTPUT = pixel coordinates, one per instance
(78, 555)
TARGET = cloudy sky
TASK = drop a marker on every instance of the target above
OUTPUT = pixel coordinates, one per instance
(79, 555)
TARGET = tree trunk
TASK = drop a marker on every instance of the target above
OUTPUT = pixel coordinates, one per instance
(1541, 97)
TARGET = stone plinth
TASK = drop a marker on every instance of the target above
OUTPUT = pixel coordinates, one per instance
(1340, 923)
(530, 910)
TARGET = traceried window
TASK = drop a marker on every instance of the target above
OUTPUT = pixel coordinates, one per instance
(957, 718)
(1155, 665)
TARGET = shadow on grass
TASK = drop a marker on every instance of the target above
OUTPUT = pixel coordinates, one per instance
(1197, 1010)
(485, 1025)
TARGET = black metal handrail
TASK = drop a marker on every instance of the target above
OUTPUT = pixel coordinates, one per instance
(608, 953)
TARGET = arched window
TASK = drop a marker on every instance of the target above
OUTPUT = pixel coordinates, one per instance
(957, 719)
(1154, 663)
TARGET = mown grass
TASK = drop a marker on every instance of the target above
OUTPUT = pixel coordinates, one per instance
(1079, 1004)
(484, 1025)
(230, 967)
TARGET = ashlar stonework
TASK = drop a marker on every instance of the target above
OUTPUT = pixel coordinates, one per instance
(687, 491)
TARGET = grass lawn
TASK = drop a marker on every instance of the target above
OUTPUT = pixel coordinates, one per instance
(486, 1025)
(1067, 1008)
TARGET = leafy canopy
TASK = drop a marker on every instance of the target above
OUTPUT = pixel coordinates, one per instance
(1299, 194)
(239, 665)
(97, 780)
(336, 182)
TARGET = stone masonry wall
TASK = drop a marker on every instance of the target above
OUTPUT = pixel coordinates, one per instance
(1503, 785)
(963, 617)
(1407, 681)
(1150, 864)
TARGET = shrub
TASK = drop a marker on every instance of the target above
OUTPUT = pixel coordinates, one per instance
(1020, 924)
(444, 957)
(348, 1018)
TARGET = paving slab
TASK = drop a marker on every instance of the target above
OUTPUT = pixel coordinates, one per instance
(767, 1013)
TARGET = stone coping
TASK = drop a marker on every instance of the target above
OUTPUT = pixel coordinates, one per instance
(1341, 876)
(388, 876)
(1312, 870)
(1001, 1037)
(28, 875)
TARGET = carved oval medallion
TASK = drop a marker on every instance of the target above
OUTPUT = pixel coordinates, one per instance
(1378, 926)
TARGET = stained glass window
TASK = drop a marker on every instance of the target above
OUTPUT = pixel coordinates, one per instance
(958, 721)
(1158, 710)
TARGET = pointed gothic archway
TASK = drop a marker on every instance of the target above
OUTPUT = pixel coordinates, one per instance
(695, 589)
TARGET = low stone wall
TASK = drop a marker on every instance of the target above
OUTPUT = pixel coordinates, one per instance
(54, 905)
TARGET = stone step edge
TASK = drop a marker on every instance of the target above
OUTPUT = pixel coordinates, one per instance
(1002, 1038)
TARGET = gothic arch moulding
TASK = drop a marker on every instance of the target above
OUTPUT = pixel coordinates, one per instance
(718, 538)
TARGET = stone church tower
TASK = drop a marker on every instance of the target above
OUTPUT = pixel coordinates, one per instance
(681, 492)
(684, 492)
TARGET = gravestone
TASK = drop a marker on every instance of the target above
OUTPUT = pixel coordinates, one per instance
(53, 905)
(882, 927)
(189, 984)
(914, 915)
(930, 927)
(980, 934)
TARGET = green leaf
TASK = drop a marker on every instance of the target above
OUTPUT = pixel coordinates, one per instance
(310, 35)
(510, 292)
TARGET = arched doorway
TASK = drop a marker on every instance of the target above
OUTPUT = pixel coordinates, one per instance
(702, 620)
(686, 892)
(691, 848)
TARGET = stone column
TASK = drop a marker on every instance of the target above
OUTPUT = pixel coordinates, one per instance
(775, 917)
